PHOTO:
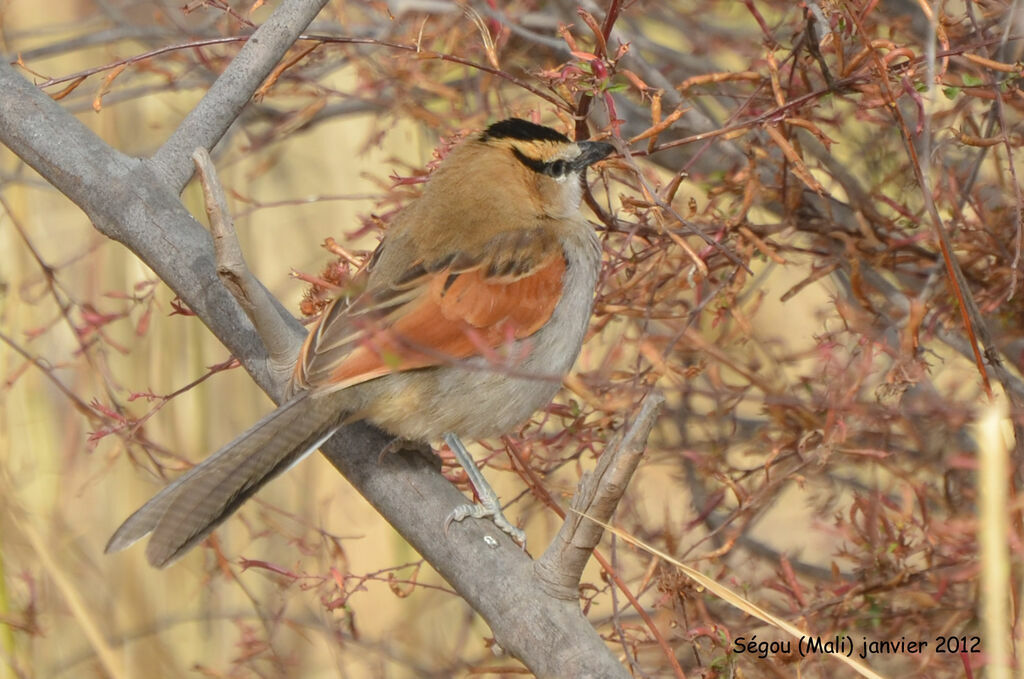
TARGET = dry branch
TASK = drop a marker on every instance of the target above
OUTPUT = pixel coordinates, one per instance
(597, 496)
(209, 120)
(259, 305)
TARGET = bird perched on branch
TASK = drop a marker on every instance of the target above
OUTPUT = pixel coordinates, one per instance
(475, 306)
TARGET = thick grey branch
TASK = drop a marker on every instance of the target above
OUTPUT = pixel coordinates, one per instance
(550, 636)
(210, 119)
(597, 496)
(129, 203)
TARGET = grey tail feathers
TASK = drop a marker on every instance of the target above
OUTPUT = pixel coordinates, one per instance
(188, 510)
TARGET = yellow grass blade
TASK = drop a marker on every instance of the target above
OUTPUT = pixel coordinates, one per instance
(76, 604)
(726, 594)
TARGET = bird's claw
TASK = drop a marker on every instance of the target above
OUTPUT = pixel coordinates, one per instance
(485, 509)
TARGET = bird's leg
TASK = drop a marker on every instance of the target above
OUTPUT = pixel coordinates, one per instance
(489, 504)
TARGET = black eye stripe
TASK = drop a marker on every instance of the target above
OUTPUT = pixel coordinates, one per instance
(552, 168)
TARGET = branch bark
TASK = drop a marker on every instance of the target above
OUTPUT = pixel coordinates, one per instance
(136, 203)
(210, 119)
(255, 300)
(598, 494)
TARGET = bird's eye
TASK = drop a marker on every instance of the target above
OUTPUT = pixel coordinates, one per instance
(558, 168)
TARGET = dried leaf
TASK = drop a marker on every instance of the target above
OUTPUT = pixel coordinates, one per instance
(97, 101)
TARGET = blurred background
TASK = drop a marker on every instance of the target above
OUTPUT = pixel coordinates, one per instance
(772, 265)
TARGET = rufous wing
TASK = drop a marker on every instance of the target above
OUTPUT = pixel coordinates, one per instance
(435, 314)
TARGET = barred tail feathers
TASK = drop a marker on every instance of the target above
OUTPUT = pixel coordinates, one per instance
(188, 510)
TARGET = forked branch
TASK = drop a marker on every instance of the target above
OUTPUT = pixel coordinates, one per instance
(597, 496)
(234, 274)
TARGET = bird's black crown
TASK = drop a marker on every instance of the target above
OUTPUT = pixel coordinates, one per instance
(517, 128)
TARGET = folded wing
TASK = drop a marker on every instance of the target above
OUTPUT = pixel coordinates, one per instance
(436, 313)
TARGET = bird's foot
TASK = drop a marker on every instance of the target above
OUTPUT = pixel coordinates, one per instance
(487, 507)
(489, 504)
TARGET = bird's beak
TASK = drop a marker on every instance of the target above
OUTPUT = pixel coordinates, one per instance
(591, 152)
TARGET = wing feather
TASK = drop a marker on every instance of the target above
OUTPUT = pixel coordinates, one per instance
(435, 313)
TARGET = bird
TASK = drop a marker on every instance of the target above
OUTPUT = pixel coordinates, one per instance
(471, 310)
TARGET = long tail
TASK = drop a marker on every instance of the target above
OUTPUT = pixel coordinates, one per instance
(186, 511)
